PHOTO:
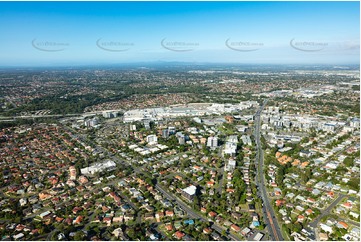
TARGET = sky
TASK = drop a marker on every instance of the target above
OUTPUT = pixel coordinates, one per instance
(81, 33)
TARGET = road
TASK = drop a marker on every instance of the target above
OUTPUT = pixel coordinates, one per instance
(31, 116)
(268, 212)
(326, 211)
(192, 213)
(354, 223)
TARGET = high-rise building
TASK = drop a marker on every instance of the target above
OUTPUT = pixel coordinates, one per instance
(355, 123)
(171, 130)
(231, 165)
(146, 123)
(152, 139)
(91, 122)
(181, 138)
(165, 133)
(230, 148)
(212, 142)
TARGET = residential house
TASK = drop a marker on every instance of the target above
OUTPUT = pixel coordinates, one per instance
(342, 225)
(235, 228)
(169, 227)
(179, 235)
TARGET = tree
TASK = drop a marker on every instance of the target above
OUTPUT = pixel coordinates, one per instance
(131, 233)
(297, 227)
(280, 176)
(284, 227)
(149, 181)
(243, 199)
(306, 175)
(206, 152)
(237, 174)
(348, 162)
(196, 202)
(354, 183)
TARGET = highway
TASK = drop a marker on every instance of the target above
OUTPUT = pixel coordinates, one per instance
(32, 116)
(268, 212)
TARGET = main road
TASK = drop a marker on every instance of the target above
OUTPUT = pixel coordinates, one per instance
(275, 232)
(268, 212)
(32, 116)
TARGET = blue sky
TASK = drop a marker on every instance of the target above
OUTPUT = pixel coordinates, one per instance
(69, 33)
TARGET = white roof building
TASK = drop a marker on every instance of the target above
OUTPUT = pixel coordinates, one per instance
(191, 190)
(231, 165)
(18, 236)
(152, 139)
(98, 167)
(326, 228)
(258, 236)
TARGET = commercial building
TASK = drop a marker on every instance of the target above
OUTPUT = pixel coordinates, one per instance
(258, 236)
(190, 110)
(181, 138)
(91, 122)
(231, 165)
(355, 123)
(246, 140)
(230, 147)
(171, 130)
(165, 133)
(110, 114)
(212, 142)
(98, 167)
(189, 192)
(152, 139)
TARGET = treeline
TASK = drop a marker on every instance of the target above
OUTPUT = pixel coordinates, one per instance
(17, 122)
(77, 103)
(71, 104)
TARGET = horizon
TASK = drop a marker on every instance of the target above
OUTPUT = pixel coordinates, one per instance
(59, 34)
(195, 65)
